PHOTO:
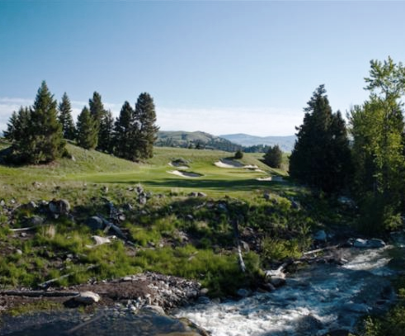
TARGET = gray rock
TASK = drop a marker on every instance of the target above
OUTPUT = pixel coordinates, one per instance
(375, 243)
(155, 309)
(277, 281)
(35, 221)
(193, 194)
(320, 235)
(203, 300)
(2, 203)
(59, 207)
(201, 194)
(361, 243)
(87, 298)
(243, 292)
(142, 199)
(95, 223)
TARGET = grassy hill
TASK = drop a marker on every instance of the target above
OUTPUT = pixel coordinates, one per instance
(89, 166)
(187, 139)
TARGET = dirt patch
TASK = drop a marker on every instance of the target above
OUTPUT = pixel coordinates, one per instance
(184, 174)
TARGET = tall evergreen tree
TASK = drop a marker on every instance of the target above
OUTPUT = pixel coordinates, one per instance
(146, 117)
(274, 157)
(97, 110)
(65, 118)
(377, 128)
(36, 132)
(106, 133)
(316, 159)
(86, 130)
(126, 132)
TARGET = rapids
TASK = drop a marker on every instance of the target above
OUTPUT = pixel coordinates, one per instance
(319, 299)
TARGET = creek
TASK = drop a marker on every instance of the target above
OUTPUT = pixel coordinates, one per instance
(317, 299)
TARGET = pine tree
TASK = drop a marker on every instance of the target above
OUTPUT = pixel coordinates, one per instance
(274, 157)
(314, 160)
(106, 133)
(96, 108)
(146, 116)
(36, 132)
(86, 130)
(377, 128)
(126, 132)
(65, 118)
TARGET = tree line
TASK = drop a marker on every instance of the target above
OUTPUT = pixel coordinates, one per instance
(38, 132)
(366, 158)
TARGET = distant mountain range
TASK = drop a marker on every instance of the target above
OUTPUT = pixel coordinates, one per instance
(286, 143)
(229, 142)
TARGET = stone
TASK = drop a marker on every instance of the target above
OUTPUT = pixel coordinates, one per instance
(2, 203)
(320, 235)
(59, 207)
(203, 300)
(155, 309)
(201, 194)
(361, 243)
(266, 196)
(142, 199)
(204, 291)
(245, 246)
(375, 243)
(35, 221)
(242, 292)
(87, 298)
(193, 194)
(277, 281)
(19, 252)
(95, 223)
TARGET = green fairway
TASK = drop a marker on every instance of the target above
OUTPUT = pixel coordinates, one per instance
(156, 174)
(86, 166)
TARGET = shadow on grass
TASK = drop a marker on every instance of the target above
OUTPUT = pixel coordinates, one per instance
(218, 185)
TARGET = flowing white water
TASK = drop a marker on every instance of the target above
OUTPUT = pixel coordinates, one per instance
(316, 300)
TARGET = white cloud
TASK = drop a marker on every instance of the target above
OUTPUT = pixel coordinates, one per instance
(255, 121)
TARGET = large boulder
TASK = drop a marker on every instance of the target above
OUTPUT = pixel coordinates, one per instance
(87, 298)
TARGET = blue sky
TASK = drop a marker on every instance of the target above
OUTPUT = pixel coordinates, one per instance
(217, 66)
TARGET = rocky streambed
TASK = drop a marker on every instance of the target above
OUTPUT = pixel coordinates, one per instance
(319, 299)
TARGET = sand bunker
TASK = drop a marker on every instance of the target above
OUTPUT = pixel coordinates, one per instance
(266, 179)
(175, 165)
(228, 164)
(184, 174)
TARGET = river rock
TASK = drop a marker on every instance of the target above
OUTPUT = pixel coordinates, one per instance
(320, 235)
(156, 309)
(87, 298)
(242, 292)
(362, 243)
(277, 281)
(375, 243)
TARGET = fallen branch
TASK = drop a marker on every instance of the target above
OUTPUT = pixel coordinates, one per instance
(321, 250)
(237, 241)
(38, 293)
(23, 229)
(47, 283)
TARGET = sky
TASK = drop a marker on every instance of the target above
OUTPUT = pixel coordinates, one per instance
(222, 67)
